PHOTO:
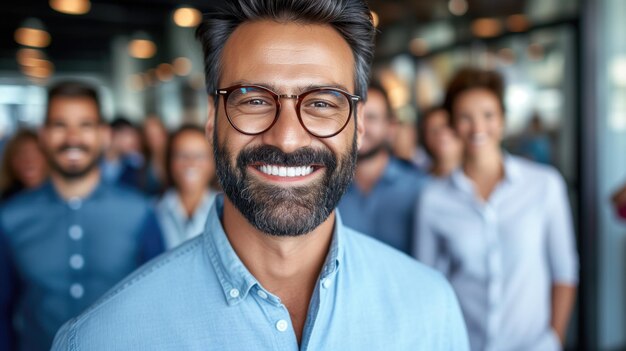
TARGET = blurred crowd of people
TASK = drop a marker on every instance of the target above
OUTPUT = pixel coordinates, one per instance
(84, 203)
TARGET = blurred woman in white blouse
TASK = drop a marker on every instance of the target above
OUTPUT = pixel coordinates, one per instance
(500, 229)
(190, 167)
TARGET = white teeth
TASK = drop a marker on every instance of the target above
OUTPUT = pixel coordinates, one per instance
(286, 171)
(74, 154)
(479, 138)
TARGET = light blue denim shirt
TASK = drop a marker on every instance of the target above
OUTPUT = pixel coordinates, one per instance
(63, 255)
(502, 256)
(387, 212)
(200, 296)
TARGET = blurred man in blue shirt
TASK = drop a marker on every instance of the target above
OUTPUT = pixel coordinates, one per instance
(381, 200)
(275, 268)
(70, 240)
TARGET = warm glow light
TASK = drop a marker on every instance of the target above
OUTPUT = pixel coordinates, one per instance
(43, 69)
(141, 48)
(165, 72)
(182, 66)
(457, 7)
(375, 18)
(37, 38)
(486, 27)
(517, 23)
(418, 46)
(71, 7)
(187, 17)
(25, 56)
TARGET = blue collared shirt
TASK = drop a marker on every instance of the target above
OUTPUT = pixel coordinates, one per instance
(387, 212)
(200, 296)
(66, 254)
(502, 256)
(176, 225)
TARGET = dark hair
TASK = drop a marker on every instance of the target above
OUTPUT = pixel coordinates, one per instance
(376, 86)
(473, 78)
(351, 18)
(120, 123)
(73, 89)
(425, 115)
(169, 151)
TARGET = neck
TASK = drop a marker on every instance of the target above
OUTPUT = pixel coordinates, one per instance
(80, 187)
(444, 166)
(190, 200)
(369, 171)
(279, 263)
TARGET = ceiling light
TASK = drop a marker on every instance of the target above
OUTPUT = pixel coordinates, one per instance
(142, 48)
(517, 23)
(457, 7)
(32, 33)
(165, 72)
(71, 7)
(486, 27)
(187, 17)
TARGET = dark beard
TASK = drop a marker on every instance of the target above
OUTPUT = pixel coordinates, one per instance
(72, 174)
(284, 211)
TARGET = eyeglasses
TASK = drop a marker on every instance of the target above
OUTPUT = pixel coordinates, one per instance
(253, 109)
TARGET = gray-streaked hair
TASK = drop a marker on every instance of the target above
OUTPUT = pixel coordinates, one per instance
(351, 18)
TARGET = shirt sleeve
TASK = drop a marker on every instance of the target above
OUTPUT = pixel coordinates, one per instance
(151, 238)
(8, 284)
(562, 255)
(427, 247)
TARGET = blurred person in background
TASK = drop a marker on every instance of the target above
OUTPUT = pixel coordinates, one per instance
(381, 200)
(619, 202)
(74, 237)
(23, 165)
(500, 229)
(183, 209)
(440, 142)
(123, 159)
(154, 137)
(535, 143)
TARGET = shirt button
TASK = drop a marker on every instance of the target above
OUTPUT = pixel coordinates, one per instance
(77, 261)
(282, 325)
(261, 294)
(76, 232)
(234, 293)
(326, 283)
(75, 203)
(77, 291)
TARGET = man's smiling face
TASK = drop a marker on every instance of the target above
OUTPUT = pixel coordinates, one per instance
(285, 181)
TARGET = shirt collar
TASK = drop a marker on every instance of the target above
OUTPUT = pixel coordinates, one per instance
(98, 191)
(235, 279)
(512, 173)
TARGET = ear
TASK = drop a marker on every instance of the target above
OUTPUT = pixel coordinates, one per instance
(360, 124)
(210, 121)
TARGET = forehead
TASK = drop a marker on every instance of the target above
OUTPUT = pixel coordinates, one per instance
(287, 55)
(82, 108)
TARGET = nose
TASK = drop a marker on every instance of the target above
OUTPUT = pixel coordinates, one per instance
(287, 134)
(73, 135)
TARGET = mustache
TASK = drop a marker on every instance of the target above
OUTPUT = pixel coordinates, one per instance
(66, 147)
(269, 154)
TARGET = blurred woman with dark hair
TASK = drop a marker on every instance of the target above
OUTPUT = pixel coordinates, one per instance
(439, 141)
(182, 210)
(500, 229)
(23, 165)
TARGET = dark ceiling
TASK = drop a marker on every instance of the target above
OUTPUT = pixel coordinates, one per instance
(84, 41)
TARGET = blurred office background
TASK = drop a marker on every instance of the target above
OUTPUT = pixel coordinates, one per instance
(564, 62)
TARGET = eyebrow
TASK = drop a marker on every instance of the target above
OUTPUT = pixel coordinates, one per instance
(298, 90)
